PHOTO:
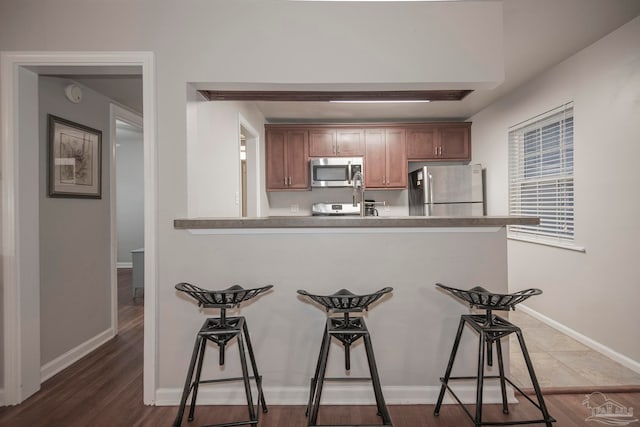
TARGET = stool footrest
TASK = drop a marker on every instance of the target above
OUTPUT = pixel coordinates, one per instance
(349, 425)
(225, 380)
(233, 424)
(340, 379)
(496, 423)
(221, 337)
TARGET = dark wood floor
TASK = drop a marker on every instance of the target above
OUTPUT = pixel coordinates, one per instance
(105, 389)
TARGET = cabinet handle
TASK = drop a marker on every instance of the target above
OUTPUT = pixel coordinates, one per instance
(435, 150)
(289, 180)
(285, 181)
(441, 150)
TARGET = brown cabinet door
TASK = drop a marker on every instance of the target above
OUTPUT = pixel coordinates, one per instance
(322, 142)
(396, 153)
(275, 156)
(297, 159)
(455, 142)
(421, 143)
(375, 162)
(349, 142)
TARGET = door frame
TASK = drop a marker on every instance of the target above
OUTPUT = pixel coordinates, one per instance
(19, 379)
(116, 112)
(252, 142)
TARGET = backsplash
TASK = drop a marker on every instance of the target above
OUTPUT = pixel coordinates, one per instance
(298, 203)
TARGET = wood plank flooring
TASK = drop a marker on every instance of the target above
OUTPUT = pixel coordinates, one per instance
(105, 389)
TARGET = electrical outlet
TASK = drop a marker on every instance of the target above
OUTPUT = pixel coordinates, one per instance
(237, 198)
(387, 208)
(294, 207)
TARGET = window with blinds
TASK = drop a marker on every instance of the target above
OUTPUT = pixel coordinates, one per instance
(541, 175)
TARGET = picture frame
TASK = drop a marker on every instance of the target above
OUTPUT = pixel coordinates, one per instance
(75, 159)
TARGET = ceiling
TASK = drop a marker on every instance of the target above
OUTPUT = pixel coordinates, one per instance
(538, 34)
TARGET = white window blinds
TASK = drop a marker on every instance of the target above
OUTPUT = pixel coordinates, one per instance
(541, 175)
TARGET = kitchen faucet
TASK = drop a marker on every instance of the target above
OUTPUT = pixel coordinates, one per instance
(358, 187)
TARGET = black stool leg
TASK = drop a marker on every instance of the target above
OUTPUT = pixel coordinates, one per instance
(254, 366)
(534, 379)
(196, 381)
(503, 386)
(375, 379)
(187, 383)
(314, 380)
(245, 377)
(447, 374)
(480, 380)
(322, 368)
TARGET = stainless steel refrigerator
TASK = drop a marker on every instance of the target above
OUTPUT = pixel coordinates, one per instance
(447, 191)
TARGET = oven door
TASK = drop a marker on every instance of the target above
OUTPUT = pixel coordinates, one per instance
(334, 172)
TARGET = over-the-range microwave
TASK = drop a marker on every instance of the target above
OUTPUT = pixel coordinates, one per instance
(334, 171)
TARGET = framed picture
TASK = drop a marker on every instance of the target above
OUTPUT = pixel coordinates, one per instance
(75, 160)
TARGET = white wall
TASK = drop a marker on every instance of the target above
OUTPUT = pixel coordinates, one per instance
(75, 286)
(129, 190)
(452, 44)
(213, 164)
(595, 293)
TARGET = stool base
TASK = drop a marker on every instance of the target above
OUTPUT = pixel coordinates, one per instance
(492, 329)
(347, 331)
(221, 331)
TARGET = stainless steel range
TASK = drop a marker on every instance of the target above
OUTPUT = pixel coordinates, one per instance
(334, 209)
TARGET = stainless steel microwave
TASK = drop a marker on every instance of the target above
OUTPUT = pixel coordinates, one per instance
(334, 171)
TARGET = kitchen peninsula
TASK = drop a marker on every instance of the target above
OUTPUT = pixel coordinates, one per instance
(414, 328)
(285, 222)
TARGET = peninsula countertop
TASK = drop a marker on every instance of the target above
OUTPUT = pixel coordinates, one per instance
(351, 222)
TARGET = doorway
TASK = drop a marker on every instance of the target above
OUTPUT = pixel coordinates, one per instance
(20, 238)
(127, 210)
(249, 155)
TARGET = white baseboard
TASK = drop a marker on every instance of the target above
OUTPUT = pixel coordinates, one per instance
(124, 264)
(583, 339)
(334, 395)
(75, 354)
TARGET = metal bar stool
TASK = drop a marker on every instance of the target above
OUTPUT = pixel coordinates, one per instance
(221, 330)
(492, 329)
(347, 330)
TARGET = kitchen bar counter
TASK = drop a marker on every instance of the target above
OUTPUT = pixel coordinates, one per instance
(412, 329)
(351, 222)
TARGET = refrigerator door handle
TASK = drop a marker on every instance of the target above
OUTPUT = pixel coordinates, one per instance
(429, 193)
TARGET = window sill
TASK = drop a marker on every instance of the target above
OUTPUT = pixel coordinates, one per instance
(560, 245)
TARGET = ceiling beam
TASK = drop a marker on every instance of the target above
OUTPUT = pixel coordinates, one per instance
(327, 96)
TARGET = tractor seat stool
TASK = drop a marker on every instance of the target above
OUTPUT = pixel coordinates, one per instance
(492, 329)
(347, 330)
(221, 330)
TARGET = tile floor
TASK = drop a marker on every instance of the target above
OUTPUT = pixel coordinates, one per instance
(561, 361)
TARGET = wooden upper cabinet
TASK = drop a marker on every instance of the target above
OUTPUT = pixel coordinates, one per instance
(375, 158)
(298, 159)
(350, 142)
(346, 142)
(441, 141)
(275, 158)
(385, 163)
(387, 149)
(421, 143)
(322, 142)
(287, 158)
(397, 163)
(455, 142)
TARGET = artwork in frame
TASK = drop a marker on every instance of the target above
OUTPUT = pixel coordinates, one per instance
(75, 159)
